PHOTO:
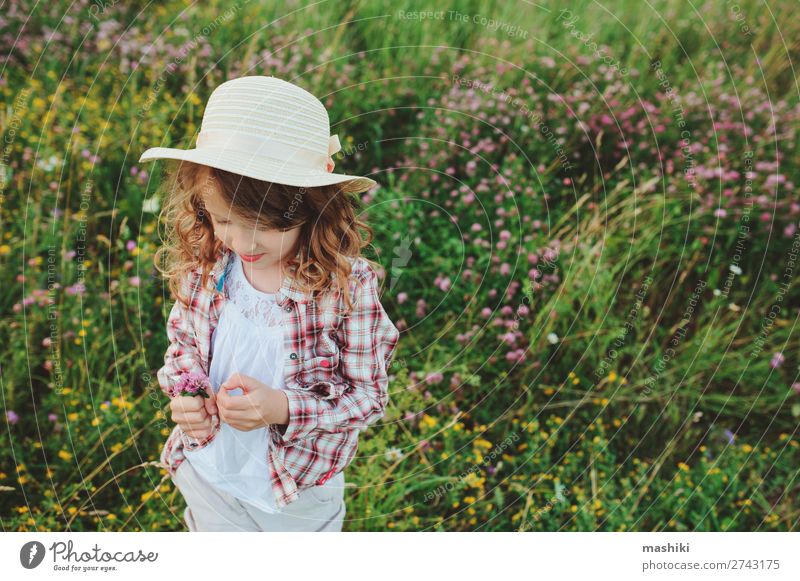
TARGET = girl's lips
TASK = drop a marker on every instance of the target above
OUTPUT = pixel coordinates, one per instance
(253, 258)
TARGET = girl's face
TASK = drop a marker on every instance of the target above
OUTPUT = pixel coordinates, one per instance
(262, 249)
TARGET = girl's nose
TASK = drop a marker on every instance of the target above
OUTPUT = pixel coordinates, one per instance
(240, 239)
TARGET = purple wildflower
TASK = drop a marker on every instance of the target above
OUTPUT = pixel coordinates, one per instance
(194, 383)
(433, 378)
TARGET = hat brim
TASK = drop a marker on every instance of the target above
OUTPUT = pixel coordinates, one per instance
(259, 168)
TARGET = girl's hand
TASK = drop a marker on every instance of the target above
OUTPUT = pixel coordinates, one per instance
(193, 414)
(258, 407)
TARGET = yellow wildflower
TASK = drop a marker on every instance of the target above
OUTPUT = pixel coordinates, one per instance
(427, 421)
(474, 481)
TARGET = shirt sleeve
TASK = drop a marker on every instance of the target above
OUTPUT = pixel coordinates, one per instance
(368, 341)
(182, 354)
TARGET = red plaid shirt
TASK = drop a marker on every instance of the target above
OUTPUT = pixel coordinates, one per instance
(335, 373)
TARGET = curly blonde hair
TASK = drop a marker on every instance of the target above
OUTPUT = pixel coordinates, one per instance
(331, 231)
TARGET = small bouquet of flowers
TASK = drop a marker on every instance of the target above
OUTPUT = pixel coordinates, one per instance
(193, 383)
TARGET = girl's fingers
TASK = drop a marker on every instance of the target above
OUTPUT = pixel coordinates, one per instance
(191, 402)
(190, 418)
(232, 403)
(197, 430)
(238, 380)
(199, 423)
(186, 403)
(197, 426)
(211, 402)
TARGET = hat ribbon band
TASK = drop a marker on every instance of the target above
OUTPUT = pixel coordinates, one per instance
(254, 145)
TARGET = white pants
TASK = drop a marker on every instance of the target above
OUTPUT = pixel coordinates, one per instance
(320, 508)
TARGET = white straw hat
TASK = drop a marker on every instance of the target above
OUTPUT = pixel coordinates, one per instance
(269, 129)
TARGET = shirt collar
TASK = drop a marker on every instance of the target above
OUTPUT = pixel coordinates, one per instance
(290, 289)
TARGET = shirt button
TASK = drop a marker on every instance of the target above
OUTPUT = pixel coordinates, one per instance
(288, 308)
(293, 356)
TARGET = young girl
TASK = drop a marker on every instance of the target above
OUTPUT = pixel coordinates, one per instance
(276, 306)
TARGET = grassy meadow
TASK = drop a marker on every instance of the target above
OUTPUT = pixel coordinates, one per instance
(587, 218)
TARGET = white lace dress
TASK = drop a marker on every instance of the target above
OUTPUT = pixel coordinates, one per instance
(248, 339)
